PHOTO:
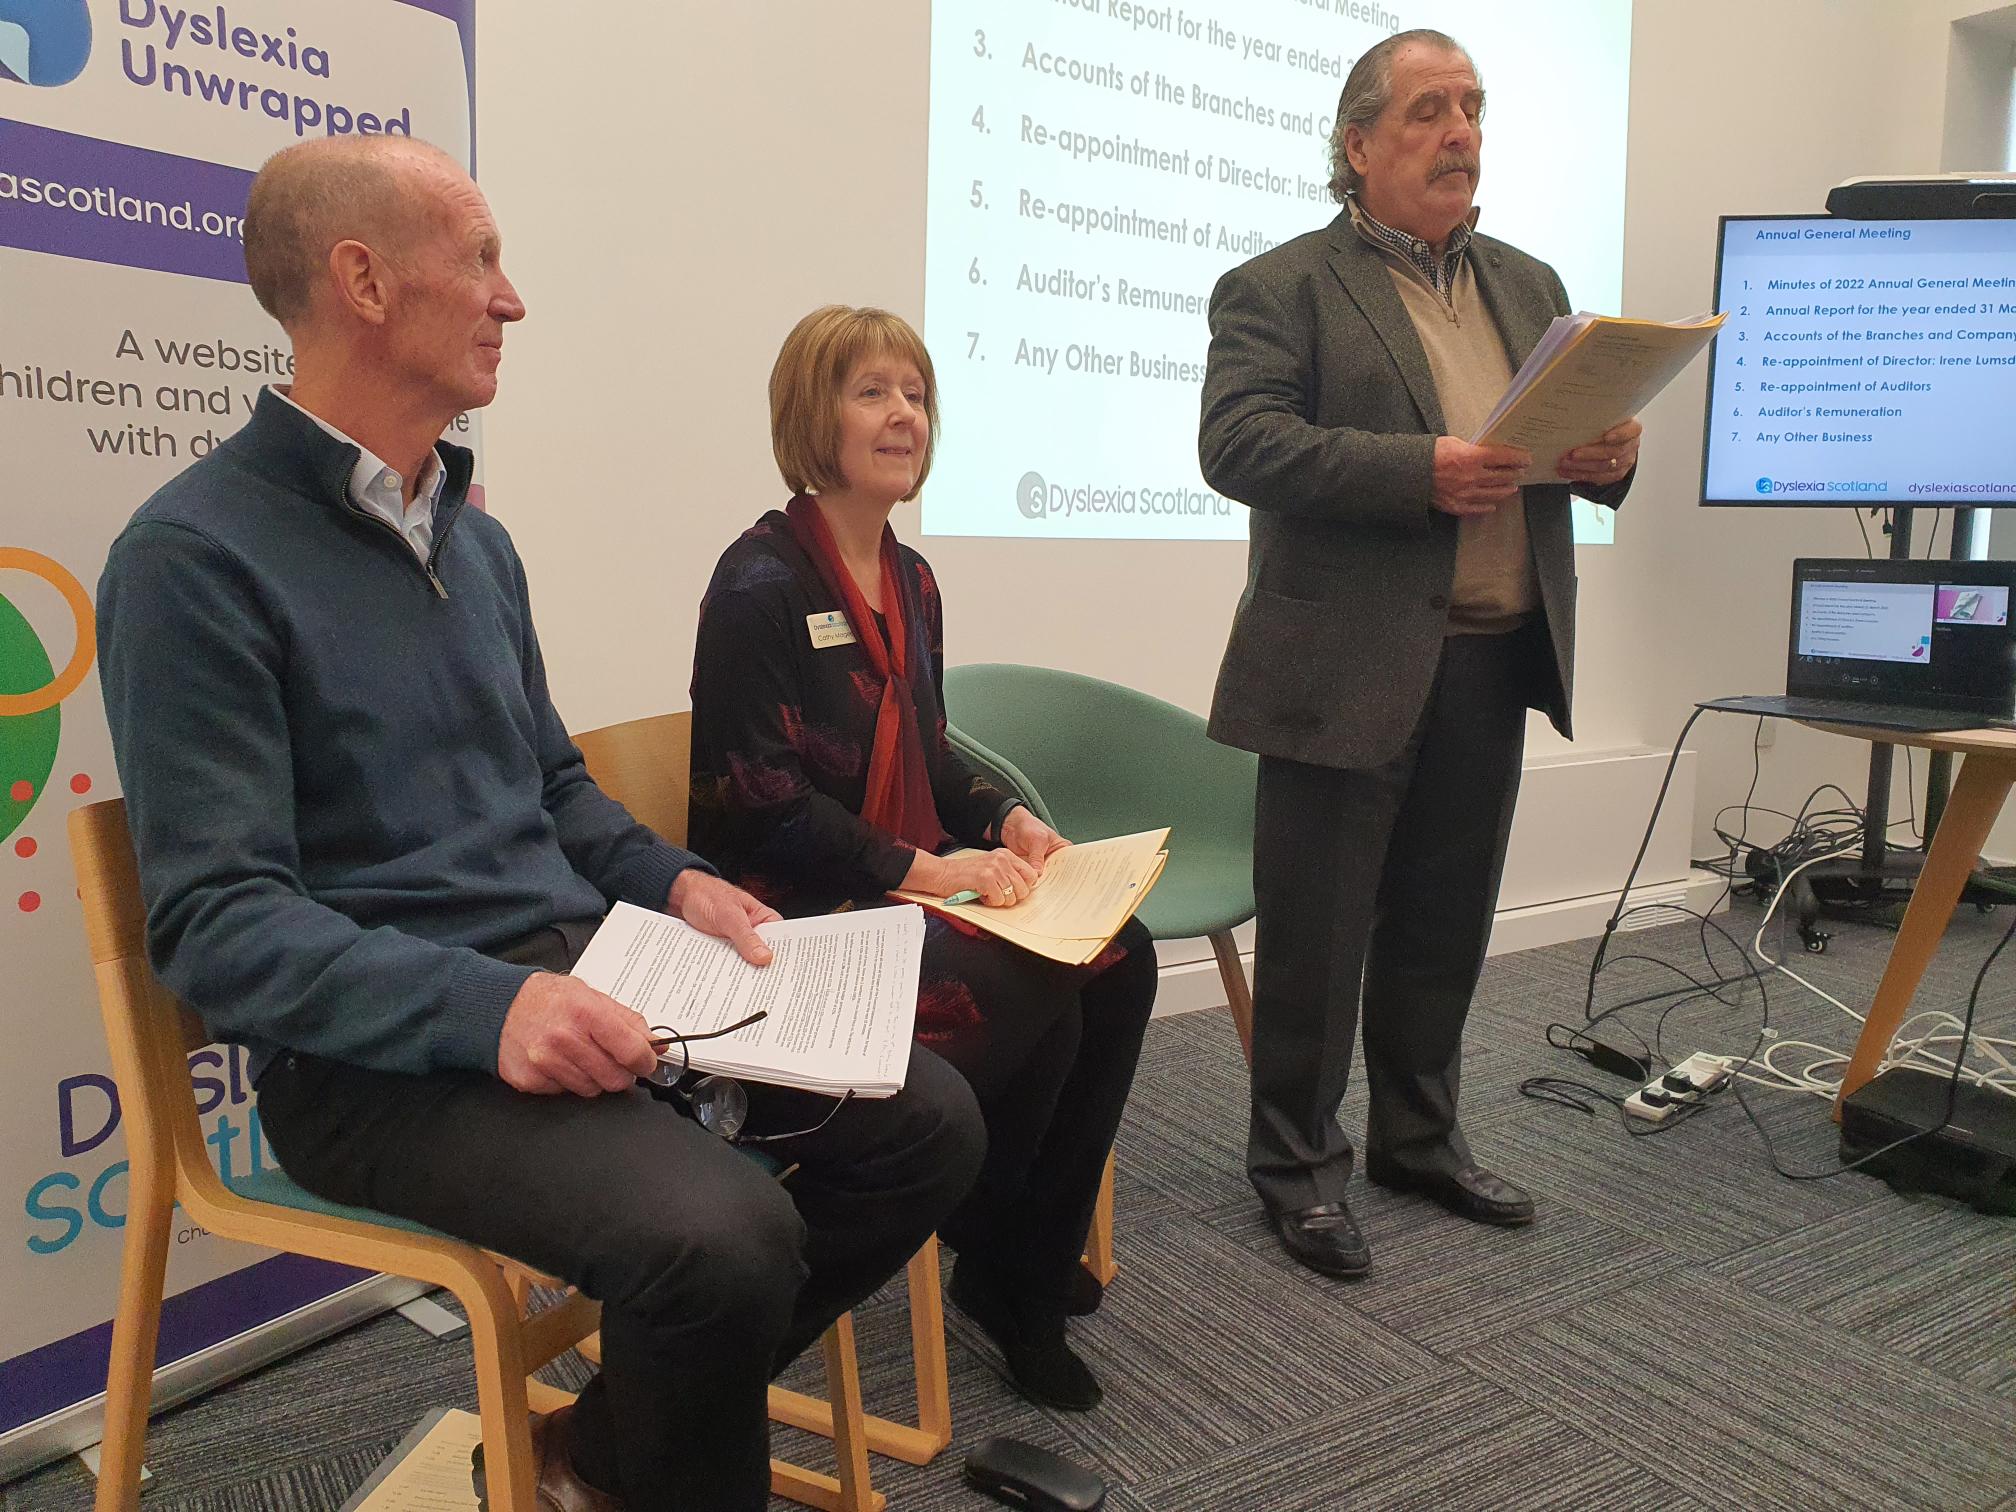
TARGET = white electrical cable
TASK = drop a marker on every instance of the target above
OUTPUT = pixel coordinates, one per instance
(1904, 1050)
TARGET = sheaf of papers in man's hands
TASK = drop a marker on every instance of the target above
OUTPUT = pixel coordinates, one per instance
(1586, 374)
(839, 996)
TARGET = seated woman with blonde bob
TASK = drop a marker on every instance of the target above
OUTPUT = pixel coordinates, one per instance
(822, 779)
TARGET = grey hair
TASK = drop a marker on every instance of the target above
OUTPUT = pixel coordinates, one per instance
(314, 194)
(1368, 92)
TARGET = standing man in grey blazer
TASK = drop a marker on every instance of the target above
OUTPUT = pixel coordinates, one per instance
(1406, 603)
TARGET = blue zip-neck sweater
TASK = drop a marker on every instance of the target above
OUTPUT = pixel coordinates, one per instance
(343, 774)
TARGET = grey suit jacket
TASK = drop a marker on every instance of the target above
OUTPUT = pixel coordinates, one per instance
(1320, 414)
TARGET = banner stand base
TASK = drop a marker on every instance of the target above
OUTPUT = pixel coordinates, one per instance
(78, 1428)
(89, 1458)
(425, 1312)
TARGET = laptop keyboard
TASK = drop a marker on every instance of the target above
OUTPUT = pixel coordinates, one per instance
(1842, 711)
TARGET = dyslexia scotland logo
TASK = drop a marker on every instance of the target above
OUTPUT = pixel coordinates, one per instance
(1031, 497)
(1763, 485)
(43, 42)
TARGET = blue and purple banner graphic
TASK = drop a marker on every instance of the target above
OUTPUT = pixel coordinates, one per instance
(129, 347)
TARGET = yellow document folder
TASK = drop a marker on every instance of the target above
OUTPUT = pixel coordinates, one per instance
(1088, 892)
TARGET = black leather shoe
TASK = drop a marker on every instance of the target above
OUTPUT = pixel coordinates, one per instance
(1472, 1192)
(1030, 1336)
(1325, 1238)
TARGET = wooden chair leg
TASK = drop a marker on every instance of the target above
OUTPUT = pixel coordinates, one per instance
(500, 1392)
(136, 1329)
(1099, 1241)
(850, 1434)
(520, 1286)
(851, 1492)
(914, 1445)
(927, 1351)
(542, 1399)
(796, 1483)
(811, 1489)
(1238, 996)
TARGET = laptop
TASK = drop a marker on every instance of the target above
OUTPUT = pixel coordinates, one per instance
(1906, 645)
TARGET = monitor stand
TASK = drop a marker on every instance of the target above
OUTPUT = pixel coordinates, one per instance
(1882, 875)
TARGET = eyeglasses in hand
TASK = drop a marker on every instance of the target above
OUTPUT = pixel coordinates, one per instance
(718, 1104)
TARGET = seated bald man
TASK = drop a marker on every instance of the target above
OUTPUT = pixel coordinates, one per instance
(370, 853)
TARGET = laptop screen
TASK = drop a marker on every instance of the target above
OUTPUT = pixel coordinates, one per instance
(1929, 633)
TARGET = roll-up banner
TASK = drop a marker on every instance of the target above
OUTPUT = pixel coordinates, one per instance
(129, 347)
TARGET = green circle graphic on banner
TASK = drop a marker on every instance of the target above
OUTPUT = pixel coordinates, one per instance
(27, 741)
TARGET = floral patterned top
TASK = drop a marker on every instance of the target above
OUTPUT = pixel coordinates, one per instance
(784, 707)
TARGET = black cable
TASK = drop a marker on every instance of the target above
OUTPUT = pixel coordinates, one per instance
(1952, 1087)
(1809, 832)
(1551, 1089)
(1564, 1090)
(1813, 833)
(1735, 845)
(1570, 1093)
(1558, 1089)
(1620, 911)
(1704, 989)
(1644, 844)
(1719, 866)
(1673, 996)
(1868, 550)
(1834, 787)
(1911, 796)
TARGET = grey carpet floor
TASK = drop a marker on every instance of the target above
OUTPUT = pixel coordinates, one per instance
(1682, 1328)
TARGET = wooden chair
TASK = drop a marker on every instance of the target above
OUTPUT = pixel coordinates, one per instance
(644, 765)
(150, 1035)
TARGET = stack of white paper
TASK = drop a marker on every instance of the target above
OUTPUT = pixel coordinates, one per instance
(1588, 373)
(839, 996)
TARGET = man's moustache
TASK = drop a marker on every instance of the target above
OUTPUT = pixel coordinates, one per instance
(1446, 166)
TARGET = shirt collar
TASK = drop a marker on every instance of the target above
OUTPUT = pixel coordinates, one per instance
(374, 485)
(1440, 272)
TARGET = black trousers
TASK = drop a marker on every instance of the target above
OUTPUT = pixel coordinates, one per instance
(1376, 888)
(1051, 1059)
(712, 1273)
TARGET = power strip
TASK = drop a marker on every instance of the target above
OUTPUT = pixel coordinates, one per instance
(1686, 1084)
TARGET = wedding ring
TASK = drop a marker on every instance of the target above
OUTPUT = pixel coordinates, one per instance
(1613, 461)
(1008, 892)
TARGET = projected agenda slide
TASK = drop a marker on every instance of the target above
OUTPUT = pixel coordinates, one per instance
(1095, 165)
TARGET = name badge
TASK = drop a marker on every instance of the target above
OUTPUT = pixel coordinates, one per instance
(829, 629)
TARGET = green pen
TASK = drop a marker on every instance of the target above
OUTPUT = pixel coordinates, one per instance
(968, 896)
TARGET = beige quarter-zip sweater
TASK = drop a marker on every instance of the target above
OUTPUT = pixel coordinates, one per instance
(1495, 588)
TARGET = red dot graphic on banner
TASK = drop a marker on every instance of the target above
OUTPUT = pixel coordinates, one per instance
(22, 791)
(30, 901)
(24, 847)
(80, 783)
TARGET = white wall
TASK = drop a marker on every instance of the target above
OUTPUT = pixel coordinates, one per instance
(1696, 599)
(1818, 91)
(672, 205)
(1980, 59)
(734, 168)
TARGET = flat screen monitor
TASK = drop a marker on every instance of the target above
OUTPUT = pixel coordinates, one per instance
(1864, 363)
